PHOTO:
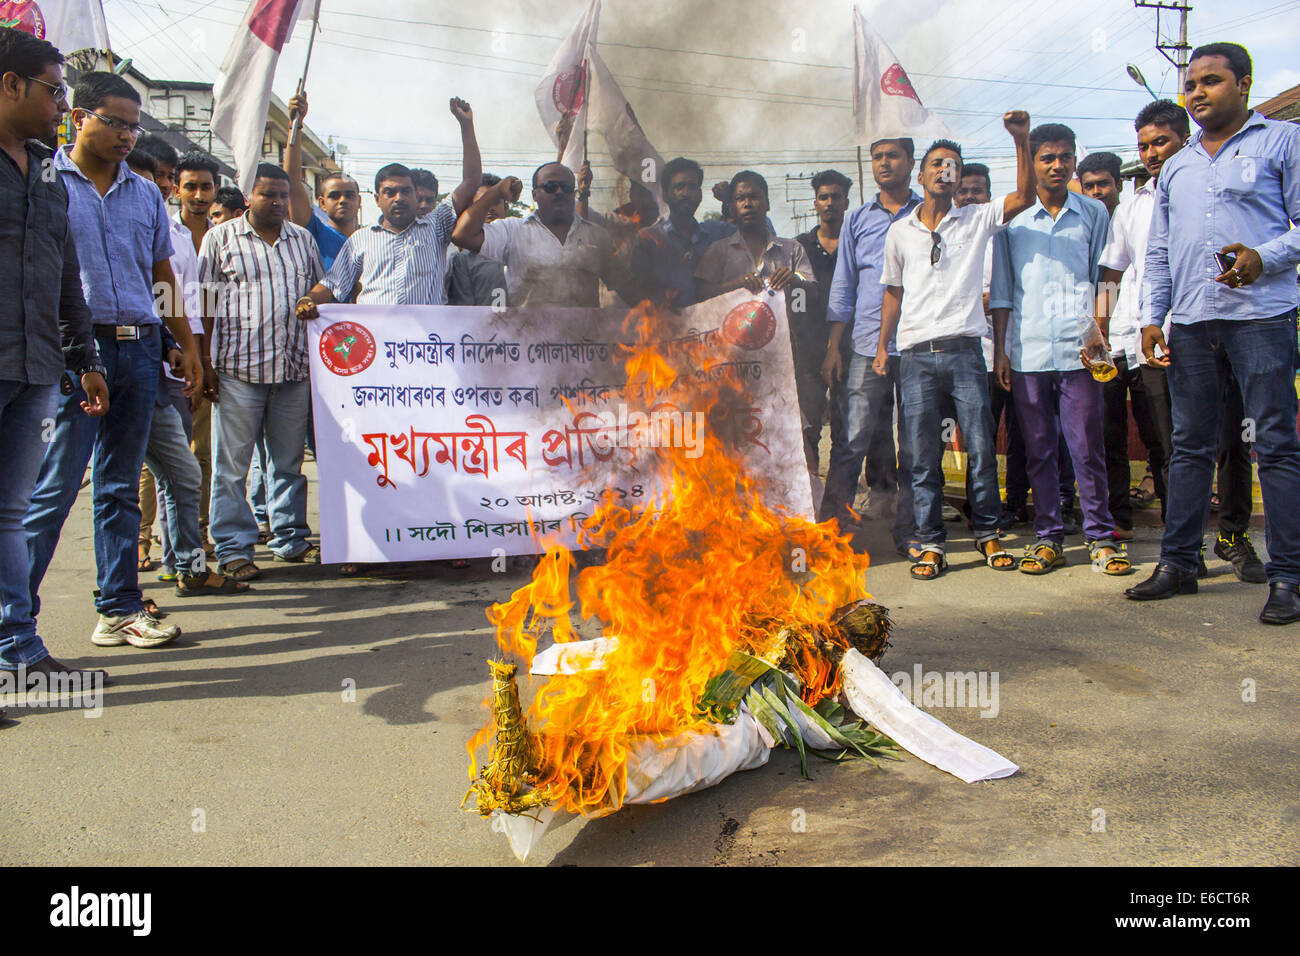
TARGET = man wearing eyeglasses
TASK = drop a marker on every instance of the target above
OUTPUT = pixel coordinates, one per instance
(45, 327)
(554, 256)
(124, 246)
(933, 275)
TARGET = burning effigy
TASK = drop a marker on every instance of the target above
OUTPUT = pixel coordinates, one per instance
(716, 626)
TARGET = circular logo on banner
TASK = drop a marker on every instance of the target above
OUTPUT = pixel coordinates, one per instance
(749, 325)
(23, 15)
(347, 348)
(896, 83)
(568, 91)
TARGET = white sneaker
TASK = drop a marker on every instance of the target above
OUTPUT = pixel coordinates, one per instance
(140, 629)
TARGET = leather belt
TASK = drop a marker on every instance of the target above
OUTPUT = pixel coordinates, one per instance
(953, 343)
(126, 333)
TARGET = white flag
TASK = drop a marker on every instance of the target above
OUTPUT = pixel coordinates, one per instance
(562, 94)
(68, 24)
(578, 93)
(885, 105)
(242, 92)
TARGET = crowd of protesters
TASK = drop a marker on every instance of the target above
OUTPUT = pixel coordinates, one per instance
(170, 351)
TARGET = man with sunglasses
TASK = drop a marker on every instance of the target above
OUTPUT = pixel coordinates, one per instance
(124, 246)
(933, 275)
(552, 257)
(45, 327)
(1042, 296)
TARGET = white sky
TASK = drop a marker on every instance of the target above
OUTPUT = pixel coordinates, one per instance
(728, 82)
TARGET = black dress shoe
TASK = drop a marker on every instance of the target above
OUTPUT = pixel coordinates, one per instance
(1283, 605)
(1165, 582)
(49, 665)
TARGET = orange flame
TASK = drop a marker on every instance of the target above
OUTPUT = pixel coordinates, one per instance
(689, 577)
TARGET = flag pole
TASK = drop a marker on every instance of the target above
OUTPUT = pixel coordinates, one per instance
(296, 129)
(861, 185)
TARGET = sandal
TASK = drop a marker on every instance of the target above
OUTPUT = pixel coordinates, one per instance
(308, 555)
(990, 557)
(912, 550)
(349, 570)
(1041, 557)
(193, 585)
(460, 564)
(926, 569)
(1139, 497)
(151, 607)
(1115, 562)
(241, 569)
(144, 562)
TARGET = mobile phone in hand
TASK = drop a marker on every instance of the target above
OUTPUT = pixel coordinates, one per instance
(1224, 262)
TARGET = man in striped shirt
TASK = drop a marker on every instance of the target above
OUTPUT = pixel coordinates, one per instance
(253, 269)
(402, 259)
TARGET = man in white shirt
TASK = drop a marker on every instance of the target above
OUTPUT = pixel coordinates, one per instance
(553, 257)
(934, 278)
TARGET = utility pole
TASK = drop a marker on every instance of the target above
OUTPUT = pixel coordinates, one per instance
(1181, 50)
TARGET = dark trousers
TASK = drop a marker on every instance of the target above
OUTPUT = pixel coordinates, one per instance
(1115, 396)
(1261, 355)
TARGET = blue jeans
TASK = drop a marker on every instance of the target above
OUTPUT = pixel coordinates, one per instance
(179, 480)
(117, 442)
(926, 378)
(1262, 356)
(25, 411)
(867, 411)
(279, 414)
(259, 487)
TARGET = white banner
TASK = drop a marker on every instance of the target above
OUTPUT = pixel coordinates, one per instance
(457, 432)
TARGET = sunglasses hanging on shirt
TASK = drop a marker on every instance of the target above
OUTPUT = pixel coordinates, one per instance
(935, 251)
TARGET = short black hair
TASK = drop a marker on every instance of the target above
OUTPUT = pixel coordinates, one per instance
(948, 145)
(24, 54)
(1100, 163)
(906, 142)
(680, 165)
(1050, 133)
(270, 171)
(393, 171)
(196, 161)
(94, 88)
(553, 162)
(422, 177)
(335, 174)
(1236, 55)
(489, 179)
(747, 176)
(231, 198)
(139, 159)
(1164, 113)
(978, 169)
(831, 177)
(163, 153)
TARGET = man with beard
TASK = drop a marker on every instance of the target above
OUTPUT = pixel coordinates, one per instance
(666, 254)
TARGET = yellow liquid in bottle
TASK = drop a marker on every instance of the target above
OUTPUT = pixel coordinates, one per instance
(1103, 372)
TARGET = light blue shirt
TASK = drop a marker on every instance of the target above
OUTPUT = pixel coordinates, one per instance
(856, 292)
(119, 238)
(1044, 271)
(1246, 194)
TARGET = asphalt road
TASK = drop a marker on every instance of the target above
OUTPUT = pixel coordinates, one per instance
(237, 744)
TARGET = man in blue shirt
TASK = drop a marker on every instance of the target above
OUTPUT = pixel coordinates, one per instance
(1234, 192)
(338, 197)
(867, 400)
(1042, 298)
(124, 246)
(665, 255)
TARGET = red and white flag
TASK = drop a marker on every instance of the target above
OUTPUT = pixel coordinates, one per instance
(885, 104)
(68, 24)
(242, 92)
(579, 93)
